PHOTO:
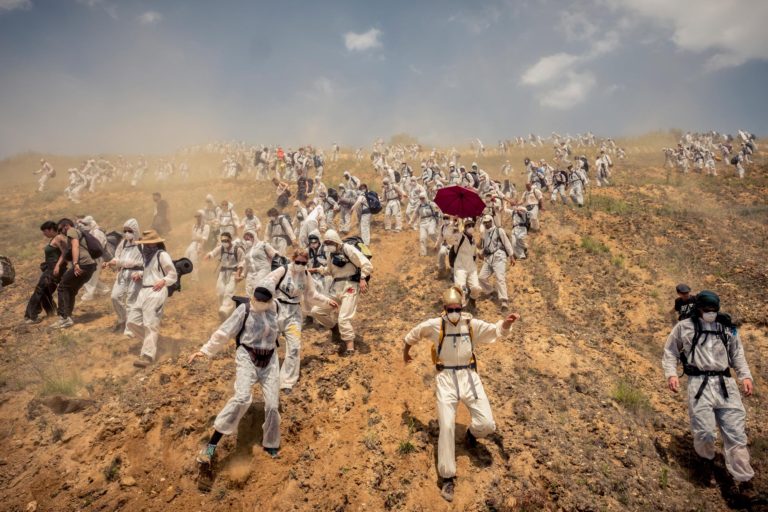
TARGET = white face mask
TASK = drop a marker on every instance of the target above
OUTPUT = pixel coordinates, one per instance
(226, 245)
(128, 236)
(249, 243)
(709, 317)
(470, 231)
(453, 317)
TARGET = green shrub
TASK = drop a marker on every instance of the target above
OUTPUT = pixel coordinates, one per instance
(593, 246)
(630, 397)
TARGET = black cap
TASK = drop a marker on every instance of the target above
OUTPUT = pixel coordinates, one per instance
(708, 299)
(683, 288)
(262, 294)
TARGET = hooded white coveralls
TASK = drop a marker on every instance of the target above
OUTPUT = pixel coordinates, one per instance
(364, 215)
(146, 312)
(343, 289)
(497, 249)
(296, 288)
(458, 385)
(256, 264)
(392, 194)
(713, 411)
(229, 259)
(200, 235)
(445, 235)
(228, 220)
(128, 259)
(577, 180)
(531, 199)
(94, 286)
(427, 212)
(280, 233)
(260, 333)
(464, 267)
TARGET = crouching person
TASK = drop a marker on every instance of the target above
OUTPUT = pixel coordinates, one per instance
(255, 328)
(146, 311)
(457, 379)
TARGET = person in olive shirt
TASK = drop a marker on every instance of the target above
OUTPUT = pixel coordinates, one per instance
(685, 303)
(42, 296)
(74, 277)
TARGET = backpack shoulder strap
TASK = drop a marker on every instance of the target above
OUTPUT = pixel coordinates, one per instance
(280, 281)
(441, 337)
(242, 329)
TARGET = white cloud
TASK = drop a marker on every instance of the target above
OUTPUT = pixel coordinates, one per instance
(734, 31)
(362, 42)
(548, 68)
(569, 92)
(111, 9)
(576, 26)
(12, 5)
(150, 18)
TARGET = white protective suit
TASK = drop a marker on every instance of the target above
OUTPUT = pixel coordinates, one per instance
(227, 220)
(713, 411)
(128, 259)
(229, 260)
(256, 264)
(280, 233)
(146, 312)
(345, 287)
(531, 199)
(200, 235)
(391, 195)
(427, 213)
(293, 287)
(445, 236)
(464, 267)
(94, 286)
(457, 382)
(364, 215)
(260, 333)
(497, 249)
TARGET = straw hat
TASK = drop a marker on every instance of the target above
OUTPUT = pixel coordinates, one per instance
(150, 237)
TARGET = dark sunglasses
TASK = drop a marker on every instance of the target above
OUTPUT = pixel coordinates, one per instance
(453, 310)
(299, 262)
(127, 231)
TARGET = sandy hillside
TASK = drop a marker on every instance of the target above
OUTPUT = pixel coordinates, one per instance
(584, 421)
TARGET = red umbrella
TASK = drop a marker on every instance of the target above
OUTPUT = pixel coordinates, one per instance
(459, 202)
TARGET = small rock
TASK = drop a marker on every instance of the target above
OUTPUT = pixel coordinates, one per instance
(128, 481)
(31, 506)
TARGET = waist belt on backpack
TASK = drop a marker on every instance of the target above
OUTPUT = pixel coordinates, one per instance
(693, 371)
(354, 278)
(227, 269)
(259, 356)
(471, 366)
(283, 301)
(132, 268)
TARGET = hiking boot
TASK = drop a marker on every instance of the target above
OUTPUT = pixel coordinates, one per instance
(143, 361)
(30, 321)
(447, 490)
(63, 323)
(470, 441)
(273, 452)
(205, 457)
(118, 327)
(504, 305)
(286, 391)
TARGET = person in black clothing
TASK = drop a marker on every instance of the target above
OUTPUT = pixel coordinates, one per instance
(685, 303)
(301, 186)
(76, 276)
(162, 220)
(42, 296)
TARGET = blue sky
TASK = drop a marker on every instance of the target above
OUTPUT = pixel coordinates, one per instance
(130, 76)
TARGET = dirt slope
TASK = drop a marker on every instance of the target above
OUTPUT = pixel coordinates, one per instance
(583, 418)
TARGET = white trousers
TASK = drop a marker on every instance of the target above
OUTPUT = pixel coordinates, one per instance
(427, 232)
(365, 228)
(124, 294)
(454, 386)
(346, 296)
(246, 376)
(495, 266)
(467, 279)
(713, 412)
(289, 323)
(577, 194)
(94, 286)
(225, 289)
(391, 212)
(144, 318)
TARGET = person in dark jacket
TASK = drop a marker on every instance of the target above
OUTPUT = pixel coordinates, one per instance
(161, 222)
(42, 296)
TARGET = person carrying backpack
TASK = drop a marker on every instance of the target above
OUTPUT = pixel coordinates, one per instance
(254, 325)
(577, 181)
(75, 277)
(463, 252)
(145, 313)
(294, 290)
(708, 347)
(279, 232)
(392, 194)
(128, 259)
(350, 270)
(454, 335)
(94, 286)
(496, 251)
(364, 213)
(230, 257)
(427, 213)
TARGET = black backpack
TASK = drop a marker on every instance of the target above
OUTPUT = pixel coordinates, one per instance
(92, 245)
(9, 273)
(113, 240)
(278, 260)
(398, 177)
(333, 194)
(453, 253)
(183, 267)
(374, 204)
(734, 159)
(475, 179)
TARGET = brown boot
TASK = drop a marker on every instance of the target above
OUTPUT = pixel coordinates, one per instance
(143, 361)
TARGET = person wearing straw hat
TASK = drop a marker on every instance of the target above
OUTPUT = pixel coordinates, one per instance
(454, 335)
(145, 313)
